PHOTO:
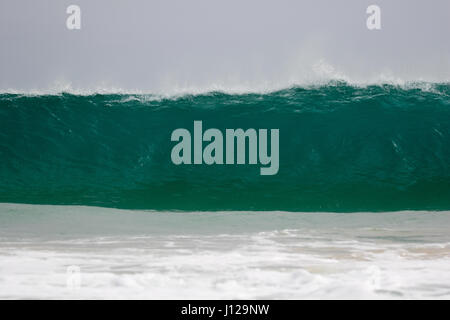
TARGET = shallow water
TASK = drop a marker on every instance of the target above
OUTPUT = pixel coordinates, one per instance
(230, 255)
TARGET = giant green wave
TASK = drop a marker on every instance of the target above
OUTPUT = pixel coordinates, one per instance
(342, 148)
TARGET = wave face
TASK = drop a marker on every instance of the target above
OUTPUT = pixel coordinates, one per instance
(342, 148)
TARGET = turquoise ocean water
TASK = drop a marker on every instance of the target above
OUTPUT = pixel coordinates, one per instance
(342, 149)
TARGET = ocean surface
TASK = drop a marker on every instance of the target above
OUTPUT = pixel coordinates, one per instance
(342, 148)
(222, 255)
(360, 207)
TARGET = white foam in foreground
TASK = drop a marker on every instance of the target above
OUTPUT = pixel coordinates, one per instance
(321, 255)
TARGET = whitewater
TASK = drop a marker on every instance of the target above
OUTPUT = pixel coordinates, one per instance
(222, 255)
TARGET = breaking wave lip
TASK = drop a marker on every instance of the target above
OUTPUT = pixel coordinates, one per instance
(312, 74)
(178, 91)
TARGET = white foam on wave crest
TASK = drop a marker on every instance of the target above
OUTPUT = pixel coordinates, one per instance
(316, 74)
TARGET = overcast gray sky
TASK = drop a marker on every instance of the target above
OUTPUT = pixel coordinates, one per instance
(169, 45)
